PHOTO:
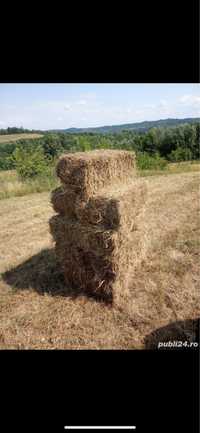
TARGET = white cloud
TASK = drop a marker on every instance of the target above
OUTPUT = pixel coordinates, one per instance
(190, 99)
(184, 98)
(163, 103)
(81, 102)
(67, 107)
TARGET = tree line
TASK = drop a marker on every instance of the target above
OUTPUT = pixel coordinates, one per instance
(158, 145)
(16, 130)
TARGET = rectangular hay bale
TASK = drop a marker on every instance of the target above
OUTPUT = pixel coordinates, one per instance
(85, 173)
(112, 206)
(95, 260)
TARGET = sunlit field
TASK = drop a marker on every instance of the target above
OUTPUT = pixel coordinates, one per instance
(37, 310)
(8, 138)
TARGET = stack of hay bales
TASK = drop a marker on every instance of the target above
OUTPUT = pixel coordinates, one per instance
(96, 207)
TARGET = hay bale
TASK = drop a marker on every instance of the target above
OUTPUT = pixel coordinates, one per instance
(95, 260)
(114, 207)
(85, 173)
(95, 238)
(64, 201)
(111, 207)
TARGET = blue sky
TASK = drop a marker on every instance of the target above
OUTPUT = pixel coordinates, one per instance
(49, 106)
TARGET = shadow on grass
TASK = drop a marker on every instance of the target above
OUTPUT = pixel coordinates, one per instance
(43, 274)
(179, 332)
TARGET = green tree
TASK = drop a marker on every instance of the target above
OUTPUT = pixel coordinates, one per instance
(181, 154)
(30, 162)
(52, 146)
(197, 142)
(83, 143)
(148, 162)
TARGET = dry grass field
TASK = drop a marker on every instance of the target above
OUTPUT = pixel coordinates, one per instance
(8, 138)
(37, 311)
(12, 186)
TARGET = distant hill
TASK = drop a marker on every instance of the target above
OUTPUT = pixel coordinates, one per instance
(138, 126)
